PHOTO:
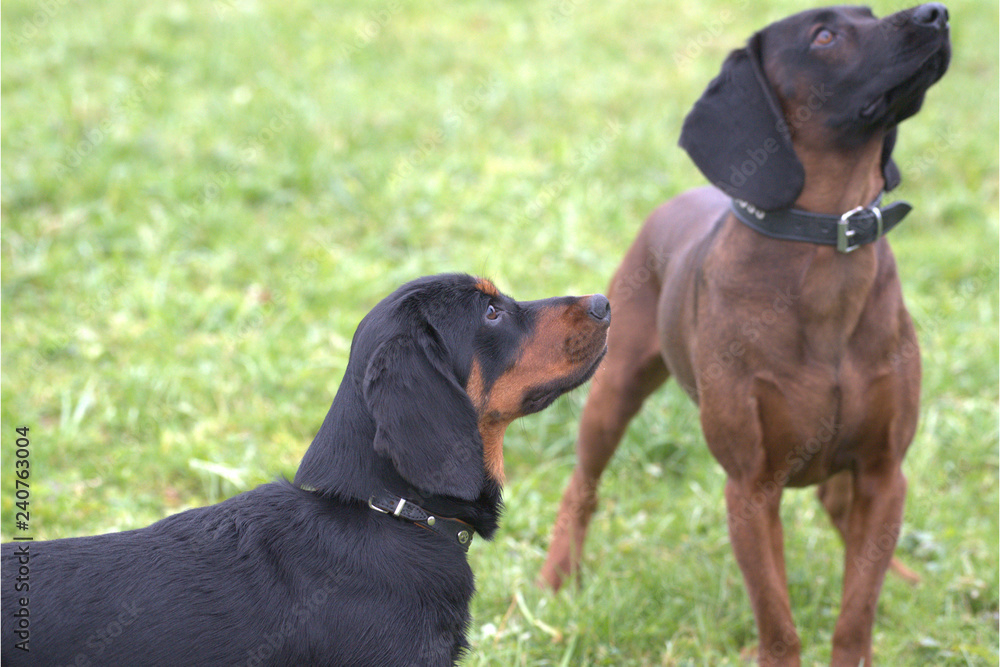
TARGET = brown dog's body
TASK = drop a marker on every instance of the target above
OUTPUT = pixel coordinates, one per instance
(802, 359)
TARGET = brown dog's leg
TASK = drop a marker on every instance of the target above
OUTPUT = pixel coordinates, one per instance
(758, 543)
(835, 494)
(631, 371)
(873, 524)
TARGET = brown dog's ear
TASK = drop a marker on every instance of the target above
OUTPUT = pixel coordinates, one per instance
(425, 422)
(890, 172)
(737, 135)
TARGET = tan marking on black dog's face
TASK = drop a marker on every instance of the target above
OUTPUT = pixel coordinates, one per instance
(529, 354)
(487, 287)
(491, 433)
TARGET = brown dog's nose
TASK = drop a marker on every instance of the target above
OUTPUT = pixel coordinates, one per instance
(933, 14)
(600, 308)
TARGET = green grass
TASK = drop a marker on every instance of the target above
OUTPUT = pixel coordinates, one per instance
(201, 200)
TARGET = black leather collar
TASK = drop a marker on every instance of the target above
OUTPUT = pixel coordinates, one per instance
(455, 531)
(847, 232)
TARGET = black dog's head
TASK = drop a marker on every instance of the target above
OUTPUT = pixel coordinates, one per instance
(829, 80)
(437, 370)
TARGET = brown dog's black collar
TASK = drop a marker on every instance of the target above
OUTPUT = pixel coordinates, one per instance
(847, 232)
(455, 531)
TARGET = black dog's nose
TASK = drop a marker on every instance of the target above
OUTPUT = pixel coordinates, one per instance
(600, 308)
(933, 14)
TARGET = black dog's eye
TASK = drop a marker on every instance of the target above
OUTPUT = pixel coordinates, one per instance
(823, 37)
(492, 313)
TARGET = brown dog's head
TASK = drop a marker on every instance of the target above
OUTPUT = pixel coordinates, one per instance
(829, 79)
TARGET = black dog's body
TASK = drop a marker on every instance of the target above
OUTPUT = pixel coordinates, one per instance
(273, 576)
(308, 573)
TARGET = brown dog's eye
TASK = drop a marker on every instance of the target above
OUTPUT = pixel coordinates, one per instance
(492, 313)
(823, 37)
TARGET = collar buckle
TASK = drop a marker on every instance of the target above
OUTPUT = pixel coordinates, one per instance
(454, 530)
(371, 504)
(845, 233)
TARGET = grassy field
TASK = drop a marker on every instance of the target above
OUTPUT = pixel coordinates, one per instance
(201, 200)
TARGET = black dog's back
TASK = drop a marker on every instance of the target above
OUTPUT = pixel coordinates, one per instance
(276, 571)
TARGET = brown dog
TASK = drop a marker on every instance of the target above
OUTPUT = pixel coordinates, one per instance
(780, 310)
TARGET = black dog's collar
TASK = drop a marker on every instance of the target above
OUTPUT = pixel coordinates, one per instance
(864, 224)
(455, 531)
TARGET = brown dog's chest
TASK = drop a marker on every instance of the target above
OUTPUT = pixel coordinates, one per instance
(820, 421)
(802, 423)
(802, 364)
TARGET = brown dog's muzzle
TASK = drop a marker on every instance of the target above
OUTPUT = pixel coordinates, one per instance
(918, 56)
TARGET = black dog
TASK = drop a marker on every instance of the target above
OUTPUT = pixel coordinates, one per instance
(362, 560)
(774, 301)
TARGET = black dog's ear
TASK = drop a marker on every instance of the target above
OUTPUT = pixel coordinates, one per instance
(890, 172)
(737, 135)
(425, 421)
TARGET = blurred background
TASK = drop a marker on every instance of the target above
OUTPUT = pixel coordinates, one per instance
(200, 200)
